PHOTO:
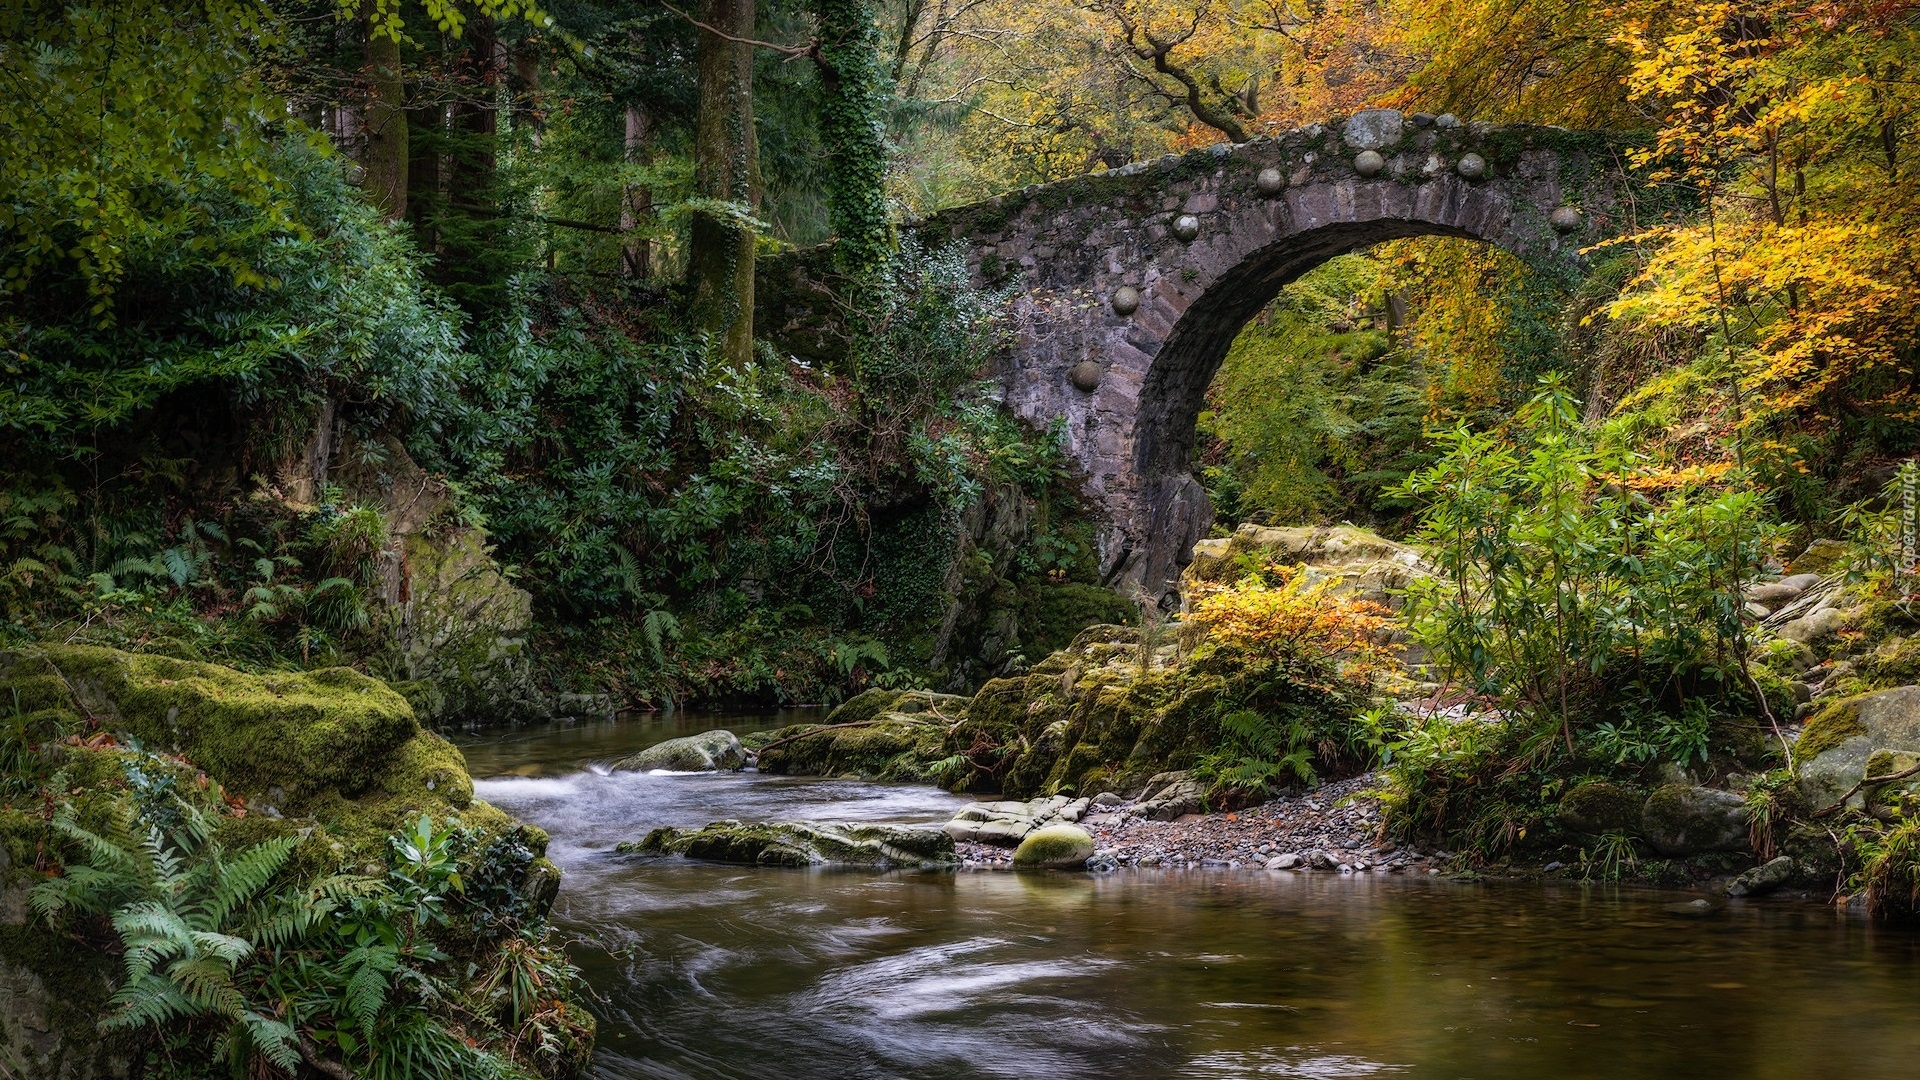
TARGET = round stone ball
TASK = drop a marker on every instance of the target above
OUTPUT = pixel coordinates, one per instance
(1125, 300)
(1565, 219)
(1186, 226)
(1369, 163)
(1472, 166)
(1270, 182)
(1085, 376)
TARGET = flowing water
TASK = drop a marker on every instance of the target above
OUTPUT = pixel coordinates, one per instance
(709, 972)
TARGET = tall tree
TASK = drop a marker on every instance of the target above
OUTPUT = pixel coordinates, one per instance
(384, 120)
(726, 178)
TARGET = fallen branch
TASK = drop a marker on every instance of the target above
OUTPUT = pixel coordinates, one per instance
(317, 1060)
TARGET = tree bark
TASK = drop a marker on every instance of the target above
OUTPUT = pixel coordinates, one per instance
(637, 206)
(385, 181)
(474, 121)
(725, 167)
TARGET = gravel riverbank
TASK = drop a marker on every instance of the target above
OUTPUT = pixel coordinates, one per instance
(1333, 828)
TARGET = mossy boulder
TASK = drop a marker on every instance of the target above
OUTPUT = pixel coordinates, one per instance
(709, 751)
(1893, 800)
(1683, 819)
(52, 996)
(285, 737)
(1056, 847)
(864, 706)
(1601, 807)
(330, 749)
(1832, 753)
(459, 626)
(899, 740)
(796, 844)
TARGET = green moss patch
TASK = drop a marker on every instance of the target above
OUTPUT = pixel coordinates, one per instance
(289, 737)
(1827, 729)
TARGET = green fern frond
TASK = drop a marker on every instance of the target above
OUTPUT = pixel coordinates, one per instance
(273, 1039)
(150, 999)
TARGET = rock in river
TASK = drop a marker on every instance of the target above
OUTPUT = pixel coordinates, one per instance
(803, 844)
(1764, 878)
(709, 751)
(1065, 847)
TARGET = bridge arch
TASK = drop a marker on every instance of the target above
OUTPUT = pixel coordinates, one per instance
(1134, 283)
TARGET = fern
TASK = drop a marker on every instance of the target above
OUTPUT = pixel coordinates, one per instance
(177, 903)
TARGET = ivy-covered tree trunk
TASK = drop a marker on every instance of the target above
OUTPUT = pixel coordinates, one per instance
(852, 125)
(385, 119)
(726, 168)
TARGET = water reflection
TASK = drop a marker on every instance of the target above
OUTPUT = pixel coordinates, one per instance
(711, 972)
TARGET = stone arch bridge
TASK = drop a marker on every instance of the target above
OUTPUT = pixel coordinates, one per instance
(1133, 283)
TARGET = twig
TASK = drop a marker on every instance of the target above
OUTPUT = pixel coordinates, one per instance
(71, 690)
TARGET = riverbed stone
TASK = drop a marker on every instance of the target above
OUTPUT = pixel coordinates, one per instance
(1288, 861)
(1763, 879)
(1007, 822)
(709, 751)
(1055, 847)
(798, 844)
(1683, 819)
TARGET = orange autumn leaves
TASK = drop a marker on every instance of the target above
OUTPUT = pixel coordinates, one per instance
(1298, 616)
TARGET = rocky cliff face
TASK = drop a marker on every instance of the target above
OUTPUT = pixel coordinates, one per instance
(459, 626)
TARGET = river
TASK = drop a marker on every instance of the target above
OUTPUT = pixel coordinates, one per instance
(714, 972)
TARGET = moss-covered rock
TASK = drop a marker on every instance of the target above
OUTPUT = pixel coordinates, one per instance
(1828, 728)
(332, 753)
(801, 844)
(878, 735)
(284, 737)
(53, 992)
(1682, 819)
(864, 706)
(1832, 753)
(1061, 847)
(459, 626)
(1601, 807)
(1893, 800)
(709, 751)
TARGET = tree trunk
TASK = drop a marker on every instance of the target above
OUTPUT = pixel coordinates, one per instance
(474, 123)
(725, 167)
(637, 205)
(385, 181)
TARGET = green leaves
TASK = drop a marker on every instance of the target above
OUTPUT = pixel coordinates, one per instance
(111, 108)
(1560, 583)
